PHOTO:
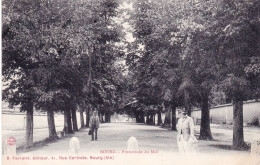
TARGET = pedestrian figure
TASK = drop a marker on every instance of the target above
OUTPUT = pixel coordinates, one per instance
(94, 125)
(185, 137)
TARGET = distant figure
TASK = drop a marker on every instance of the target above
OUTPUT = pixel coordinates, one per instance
(185, 137)
(94, 125)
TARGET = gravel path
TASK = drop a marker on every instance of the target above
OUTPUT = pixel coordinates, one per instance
(156, 145)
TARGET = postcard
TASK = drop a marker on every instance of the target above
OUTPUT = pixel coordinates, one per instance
(130, 82)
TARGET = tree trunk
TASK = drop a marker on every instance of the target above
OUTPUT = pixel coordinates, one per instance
(238, 133)
(174, 117)
(81, 117)
(67, 122)
(187, 102)
(107, 117)
(74, 119)
(70, 130)
(159, 118)
(101, 118)
(29, 126)
(153, 119)
(137, 116)
(147, 119)
(205, 132)
(87, 117)
(142, 117)
(51, 124)
(65, 129)
(167, 120)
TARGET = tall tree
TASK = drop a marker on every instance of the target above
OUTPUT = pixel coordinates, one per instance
(240, 45)
(46, 52)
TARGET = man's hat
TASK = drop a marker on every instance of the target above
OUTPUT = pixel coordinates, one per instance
(184, 111)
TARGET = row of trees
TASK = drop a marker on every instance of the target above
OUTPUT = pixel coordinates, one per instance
(59, 56)
(194, 53)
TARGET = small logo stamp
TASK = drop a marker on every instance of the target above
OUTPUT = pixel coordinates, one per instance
(11, 141)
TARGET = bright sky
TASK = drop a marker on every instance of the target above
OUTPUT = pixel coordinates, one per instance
(127, 29)
(122, 21)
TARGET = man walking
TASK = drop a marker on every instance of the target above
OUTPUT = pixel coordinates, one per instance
(94, 125)
(185, 127)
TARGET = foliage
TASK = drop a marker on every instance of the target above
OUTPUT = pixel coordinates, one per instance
(193, 46)
(49, 46)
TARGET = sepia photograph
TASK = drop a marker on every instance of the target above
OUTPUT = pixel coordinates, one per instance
(135, 82)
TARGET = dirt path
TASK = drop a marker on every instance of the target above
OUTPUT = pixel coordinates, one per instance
(159, 143)
(114, 136)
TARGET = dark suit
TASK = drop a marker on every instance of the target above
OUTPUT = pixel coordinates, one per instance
(94, 125)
